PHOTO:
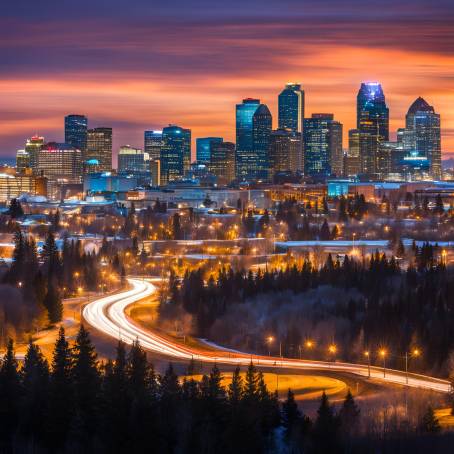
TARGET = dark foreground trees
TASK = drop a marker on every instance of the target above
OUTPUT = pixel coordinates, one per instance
(80, 405)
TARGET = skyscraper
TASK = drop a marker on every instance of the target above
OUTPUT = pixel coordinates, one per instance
(175, 153)
(244, 137)
(261, 131)
(372, 118)
(132, 160)
(322, 145)
(422, 125)
(32, 146)
(76, 131)
(203, 148)
(291, 108)
(352, 162)
(153, 144)
(285, 151)
(222, 161)
(99, 148)
(22, 161)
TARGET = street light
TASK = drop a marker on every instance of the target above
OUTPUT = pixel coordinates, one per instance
(383, 354)
(367, 355)
(332, 350)
(414, 353)
(269, 340)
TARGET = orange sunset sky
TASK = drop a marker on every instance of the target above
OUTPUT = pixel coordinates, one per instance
(137, 68)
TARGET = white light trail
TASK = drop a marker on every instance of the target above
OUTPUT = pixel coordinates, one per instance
(108, 315)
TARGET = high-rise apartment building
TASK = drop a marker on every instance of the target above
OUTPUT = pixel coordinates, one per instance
(99, 148)
(323, 153)
(153, 144)
(222, 162)
(373, 122)
(76, 131)
(285, 151)
(203, 148)
(422, 125)
(175, 153)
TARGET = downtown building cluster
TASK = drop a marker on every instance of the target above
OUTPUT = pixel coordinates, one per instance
(308, 149)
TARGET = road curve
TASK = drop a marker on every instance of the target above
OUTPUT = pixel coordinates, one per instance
(108, 315)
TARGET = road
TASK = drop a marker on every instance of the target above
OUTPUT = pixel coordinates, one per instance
(108, 315)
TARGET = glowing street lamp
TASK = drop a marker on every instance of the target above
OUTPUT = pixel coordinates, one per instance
(415, 353)
(332, 350)
(383, 354)
(269, 341)
(367, 355)
(309, 344)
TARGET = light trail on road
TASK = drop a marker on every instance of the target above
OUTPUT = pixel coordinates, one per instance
(108, 315)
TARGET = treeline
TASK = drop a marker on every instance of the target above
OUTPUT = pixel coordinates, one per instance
(79, 405)
(45, 278)
(396, 308)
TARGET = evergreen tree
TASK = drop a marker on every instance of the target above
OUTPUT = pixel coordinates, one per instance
(61, 404)
(35, 377)
(52, 302)
(326, 426)
(429, 422)
(15, 209)
(10, 392)
(325, 234)
(349, 415)
(85, 380)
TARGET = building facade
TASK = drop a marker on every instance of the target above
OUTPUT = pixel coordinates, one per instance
(222, 162)
(372, 121)
(76, 131)
(175, 153)
(245, 158)
(99, 148)
(422, 124)
(60, 163)
(261, 131)
(22, 161)
(132, 160)
(285, 151)
(322, 145)
(32, 146)
(203, 148)
(153, 144)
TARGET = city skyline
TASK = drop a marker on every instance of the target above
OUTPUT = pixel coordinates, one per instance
(227, 55)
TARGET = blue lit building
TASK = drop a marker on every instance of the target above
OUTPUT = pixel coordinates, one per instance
(372, 116)
(204, 145)
(175, 153)
(291, 108)
(422, 127)
(244, 136)
(76, 131)
(261, 132)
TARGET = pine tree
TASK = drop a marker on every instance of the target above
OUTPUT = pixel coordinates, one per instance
(349, 415)
(10, 392)
(35, 379)
(52, 302)
(326, 426)
(325, 234)
(235, 390)
(290, 414)
(429, 422)
(85, 380)
(61, 403)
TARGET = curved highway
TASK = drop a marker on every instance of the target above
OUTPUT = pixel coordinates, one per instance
(108, 315)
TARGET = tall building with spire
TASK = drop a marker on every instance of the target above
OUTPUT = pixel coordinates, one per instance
(372, 117)
(422, 126)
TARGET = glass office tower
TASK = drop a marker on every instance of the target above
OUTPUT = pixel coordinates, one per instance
(203, 148)
(175, 153)
(76, 131)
